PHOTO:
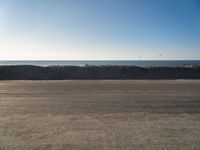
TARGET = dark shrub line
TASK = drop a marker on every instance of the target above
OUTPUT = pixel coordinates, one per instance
(27, 72)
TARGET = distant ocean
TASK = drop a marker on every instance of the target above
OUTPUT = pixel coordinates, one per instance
(141, 63)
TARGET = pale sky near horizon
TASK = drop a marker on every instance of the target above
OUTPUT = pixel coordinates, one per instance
(99, 29)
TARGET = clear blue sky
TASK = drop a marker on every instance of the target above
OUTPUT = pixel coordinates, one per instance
(99, 29)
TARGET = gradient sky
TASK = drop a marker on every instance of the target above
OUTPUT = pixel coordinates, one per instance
(99, 29)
